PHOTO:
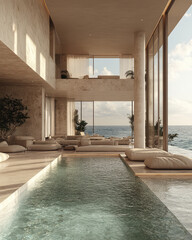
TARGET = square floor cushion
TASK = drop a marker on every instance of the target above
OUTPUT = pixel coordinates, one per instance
(169, 162)
(140, 154)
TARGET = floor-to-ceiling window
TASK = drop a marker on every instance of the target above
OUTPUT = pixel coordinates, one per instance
(154, 81)
(157, 74)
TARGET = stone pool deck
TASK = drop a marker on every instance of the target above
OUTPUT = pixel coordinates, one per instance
(20, 168)
(140, 170)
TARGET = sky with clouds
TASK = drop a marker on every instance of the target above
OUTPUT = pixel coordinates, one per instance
(180, 72)
(180, 81)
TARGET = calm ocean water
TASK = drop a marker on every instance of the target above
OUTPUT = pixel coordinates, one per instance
(184, 139)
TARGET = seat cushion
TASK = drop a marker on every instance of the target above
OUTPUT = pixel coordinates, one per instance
(85, 142)
(140, 154)
(44, 147)
(3, 157)
(12, 149)
(169, 162)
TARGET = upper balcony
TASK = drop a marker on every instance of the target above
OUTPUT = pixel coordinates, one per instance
(105, 88)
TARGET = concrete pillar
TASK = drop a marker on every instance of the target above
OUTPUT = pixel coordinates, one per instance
(139, 90)
(64, 116)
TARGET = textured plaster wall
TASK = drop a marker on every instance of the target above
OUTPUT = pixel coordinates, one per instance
(64, 114)
(33, 98)
(24, 28)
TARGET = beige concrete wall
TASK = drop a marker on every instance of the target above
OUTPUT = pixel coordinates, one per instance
(33, 98)
(64, 115)
(24, 28)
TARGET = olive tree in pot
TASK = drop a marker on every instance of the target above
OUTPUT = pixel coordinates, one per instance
(13, 113)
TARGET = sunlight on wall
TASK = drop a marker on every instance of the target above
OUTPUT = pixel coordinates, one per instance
(30, 52)
(15, 37)
(42, 66)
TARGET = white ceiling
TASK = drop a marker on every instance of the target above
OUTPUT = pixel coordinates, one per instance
(103, 27)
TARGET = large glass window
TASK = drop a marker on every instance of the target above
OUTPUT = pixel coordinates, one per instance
(109, 119)
(154, 129)
(103, 67)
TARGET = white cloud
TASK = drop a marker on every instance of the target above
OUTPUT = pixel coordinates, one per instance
(180, 112)
(187, 15)
(105, 71)
(180, 61)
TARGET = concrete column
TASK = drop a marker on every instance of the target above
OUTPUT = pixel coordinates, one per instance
(61, 116)
(139, 90)
(64, 116)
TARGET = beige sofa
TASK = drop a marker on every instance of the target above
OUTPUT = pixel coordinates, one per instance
(24, 141)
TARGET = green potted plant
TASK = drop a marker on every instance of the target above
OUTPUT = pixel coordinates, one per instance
(64, 74)
(129, 73)
(80, 125)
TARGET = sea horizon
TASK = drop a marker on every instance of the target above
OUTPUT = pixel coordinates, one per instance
(183, 140)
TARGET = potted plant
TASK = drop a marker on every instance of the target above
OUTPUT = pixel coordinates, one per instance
(64, 74)
(79, 124)
(129, 73)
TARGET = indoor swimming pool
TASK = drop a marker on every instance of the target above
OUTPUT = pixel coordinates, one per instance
(91, 199)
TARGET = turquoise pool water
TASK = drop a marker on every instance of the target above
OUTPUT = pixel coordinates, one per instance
(91, 199)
